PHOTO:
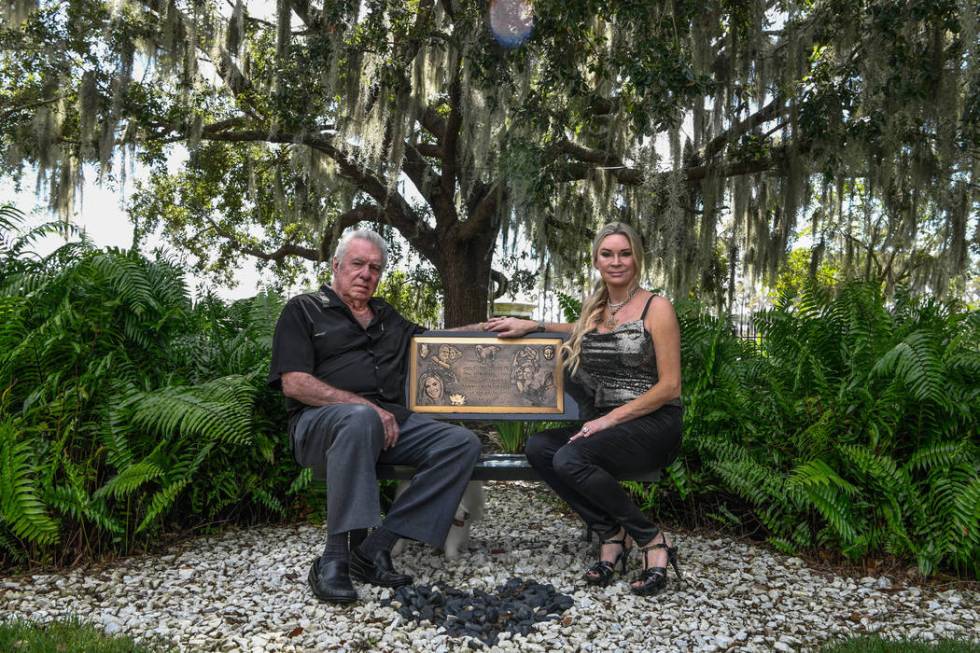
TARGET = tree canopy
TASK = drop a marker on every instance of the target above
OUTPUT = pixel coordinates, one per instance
(718, 128)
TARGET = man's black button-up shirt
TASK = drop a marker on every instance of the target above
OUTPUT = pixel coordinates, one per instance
(317, 334)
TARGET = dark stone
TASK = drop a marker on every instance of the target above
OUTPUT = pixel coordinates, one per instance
(515, 607)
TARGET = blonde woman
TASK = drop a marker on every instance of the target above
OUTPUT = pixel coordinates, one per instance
(625, 351)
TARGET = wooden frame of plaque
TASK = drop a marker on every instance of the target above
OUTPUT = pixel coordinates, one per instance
(470, 375)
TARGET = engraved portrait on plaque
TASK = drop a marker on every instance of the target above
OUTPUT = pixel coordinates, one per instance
(484, 374)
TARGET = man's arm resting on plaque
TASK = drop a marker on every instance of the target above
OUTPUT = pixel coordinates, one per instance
(307, 389)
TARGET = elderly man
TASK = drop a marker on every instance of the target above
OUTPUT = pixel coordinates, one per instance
(339, 356)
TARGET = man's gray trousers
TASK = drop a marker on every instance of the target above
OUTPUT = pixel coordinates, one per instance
(348, 439)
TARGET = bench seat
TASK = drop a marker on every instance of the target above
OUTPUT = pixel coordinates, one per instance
(498, 467)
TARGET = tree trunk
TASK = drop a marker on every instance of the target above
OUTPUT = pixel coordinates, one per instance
(465, 272)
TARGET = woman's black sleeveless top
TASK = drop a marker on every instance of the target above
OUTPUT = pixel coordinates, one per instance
(620, 365)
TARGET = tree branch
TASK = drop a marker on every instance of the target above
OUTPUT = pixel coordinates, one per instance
(421, 173)
(589, 155)
(7, 113)
(485, 211)
(763, 115)
(410, 48)
(311, 17)
(448, 176)
(396, 210)
(429, 149)
(577, 171)
(278, 256)
(360, 213)
(434, 123)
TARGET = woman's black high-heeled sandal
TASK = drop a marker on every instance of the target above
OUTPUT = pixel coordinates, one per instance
(602, 572)
(654, 579)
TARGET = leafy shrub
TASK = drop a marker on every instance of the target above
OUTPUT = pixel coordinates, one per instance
(512, 436)
(125, 409)
(848, 424)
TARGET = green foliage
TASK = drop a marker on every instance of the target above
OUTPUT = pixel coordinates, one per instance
(796, 273)
(304, 125)
(848, 424)
(417, 295)
(511, 436)
(126, 409)
(20, 507)
(53, 637)
(571, 307)
(877, 644)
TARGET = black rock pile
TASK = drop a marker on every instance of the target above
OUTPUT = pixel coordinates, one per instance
(515, 607)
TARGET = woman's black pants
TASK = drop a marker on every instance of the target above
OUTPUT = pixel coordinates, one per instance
(584, 472)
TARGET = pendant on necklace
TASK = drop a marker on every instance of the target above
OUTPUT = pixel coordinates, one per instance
(610, 322)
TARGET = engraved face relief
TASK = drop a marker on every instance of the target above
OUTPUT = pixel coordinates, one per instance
(433, 387)
(432, 390)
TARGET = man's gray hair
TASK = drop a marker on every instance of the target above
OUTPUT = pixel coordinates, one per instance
(362, 234)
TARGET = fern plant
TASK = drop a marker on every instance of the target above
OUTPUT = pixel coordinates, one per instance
(143, 411)
(848, 425)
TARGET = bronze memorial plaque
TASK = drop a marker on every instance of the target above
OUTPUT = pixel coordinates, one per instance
(454, 373)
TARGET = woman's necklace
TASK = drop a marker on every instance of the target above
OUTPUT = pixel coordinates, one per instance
(614, 308)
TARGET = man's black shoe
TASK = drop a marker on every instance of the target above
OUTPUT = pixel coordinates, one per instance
(377, 571)
(330, 581)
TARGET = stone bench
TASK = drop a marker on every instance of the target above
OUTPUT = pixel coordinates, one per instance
(499, 467)
(503, 467)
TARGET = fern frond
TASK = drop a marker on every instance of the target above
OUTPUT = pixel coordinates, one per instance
(12, 546)
(72, 500)
(834, 508)
(571, 307)
(21, 508)
(130, 479)
(817, 472)
(185, 468)
(782, 545)
(302, 481)
(161, 502)
(915, 363)
(270, 502)
(215, 411)
(939, 454)
(677, 473)
(114, 436)
(126, 275)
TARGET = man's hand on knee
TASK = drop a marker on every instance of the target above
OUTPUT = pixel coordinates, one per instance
(390, 425)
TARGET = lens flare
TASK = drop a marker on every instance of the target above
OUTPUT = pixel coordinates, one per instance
(511, 21)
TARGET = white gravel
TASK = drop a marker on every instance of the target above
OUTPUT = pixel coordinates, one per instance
(245, 590)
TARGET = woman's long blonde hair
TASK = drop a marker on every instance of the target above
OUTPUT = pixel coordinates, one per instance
(595, 304)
